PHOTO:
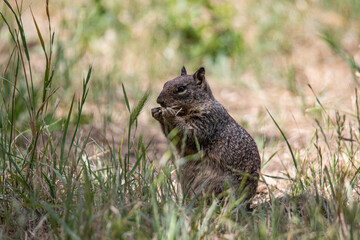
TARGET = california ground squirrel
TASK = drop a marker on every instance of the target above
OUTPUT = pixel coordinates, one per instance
(229, 158)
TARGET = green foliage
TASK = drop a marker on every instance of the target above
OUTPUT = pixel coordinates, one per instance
(347, 8)
(197, 25)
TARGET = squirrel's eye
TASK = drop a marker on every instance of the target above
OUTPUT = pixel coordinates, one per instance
(181, 89)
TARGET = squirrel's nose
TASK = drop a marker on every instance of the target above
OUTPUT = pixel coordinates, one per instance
(160, 100)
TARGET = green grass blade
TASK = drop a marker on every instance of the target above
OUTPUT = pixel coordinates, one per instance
(9, 29)
(21, 29)
(287, 142)
(270, 158)
(57, 173)
(323, 133)
(39, 34)
(80, 108)
(206, 219)
(126, 98)
(277, 177)
(47, 67)
(330, 181)
(66, 126)
(355, 177)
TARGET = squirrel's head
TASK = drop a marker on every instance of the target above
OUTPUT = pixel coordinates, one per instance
(186, 91)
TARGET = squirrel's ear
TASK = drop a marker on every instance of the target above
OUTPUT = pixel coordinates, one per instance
(183, 71)
(199, 75)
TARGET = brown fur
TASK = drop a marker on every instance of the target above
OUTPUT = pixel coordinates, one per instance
(229, 154)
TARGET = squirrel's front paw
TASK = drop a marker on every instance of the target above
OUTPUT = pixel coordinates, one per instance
(157, 113)
(168, 113)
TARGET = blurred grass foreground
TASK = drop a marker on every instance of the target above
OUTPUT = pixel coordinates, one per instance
(81, 158)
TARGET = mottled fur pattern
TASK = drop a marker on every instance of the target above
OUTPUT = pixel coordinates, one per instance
(229, 158)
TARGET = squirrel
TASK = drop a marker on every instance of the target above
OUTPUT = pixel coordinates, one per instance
(229, 155)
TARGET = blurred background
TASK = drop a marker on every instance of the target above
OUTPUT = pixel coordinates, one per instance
(258, 54)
